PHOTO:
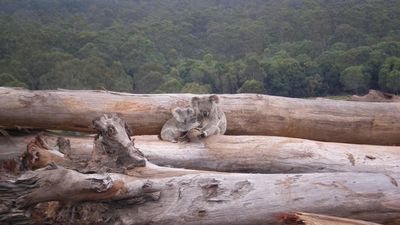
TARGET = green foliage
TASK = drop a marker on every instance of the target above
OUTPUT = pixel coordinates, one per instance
(314, 84)
(195, 88)
(149, 83)
(172, 85)
(355, 79)
(286, 77)
(252, 86)
(9, 80)
(291, 48)
(389, 75)
(89, 73)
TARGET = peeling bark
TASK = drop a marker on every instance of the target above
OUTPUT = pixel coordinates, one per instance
(189, 197)
(39, 154)
(247, 114)
(69, 187)
(60, 184)
(113, 151)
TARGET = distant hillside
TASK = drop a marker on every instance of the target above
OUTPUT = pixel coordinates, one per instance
(294, 48)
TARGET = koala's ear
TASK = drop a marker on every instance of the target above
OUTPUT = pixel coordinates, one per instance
(176, 113)
(214, 98)
(195, 101)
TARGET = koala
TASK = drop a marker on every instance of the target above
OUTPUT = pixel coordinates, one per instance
(176, 128)
(212, 119)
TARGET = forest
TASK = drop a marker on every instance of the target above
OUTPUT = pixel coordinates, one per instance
(127, 112)
(296, 48)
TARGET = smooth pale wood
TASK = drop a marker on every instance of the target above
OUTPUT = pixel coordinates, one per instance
(257, 199)
(261, 154)
(190, 197)
(247, 114)
(318, 219)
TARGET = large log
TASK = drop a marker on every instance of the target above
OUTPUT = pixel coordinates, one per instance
(190, 197)
(247, 114)
(261, 154)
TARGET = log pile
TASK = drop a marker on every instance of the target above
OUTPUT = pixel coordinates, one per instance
(247, 114)
(116, 178)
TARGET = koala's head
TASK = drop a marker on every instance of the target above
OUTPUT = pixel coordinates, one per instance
(205, 105)
(184, 115)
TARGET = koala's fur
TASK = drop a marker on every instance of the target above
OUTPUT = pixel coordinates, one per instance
(212, 119)
(175, 129)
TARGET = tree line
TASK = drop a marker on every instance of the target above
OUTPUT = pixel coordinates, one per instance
(291, 48)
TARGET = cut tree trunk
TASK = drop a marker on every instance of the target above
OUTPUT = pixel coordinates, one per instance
(256, 154)
(170, 196)
(247, 114)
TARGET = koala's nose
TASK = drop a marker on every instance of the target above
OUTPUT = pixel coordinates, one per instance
(205, 114)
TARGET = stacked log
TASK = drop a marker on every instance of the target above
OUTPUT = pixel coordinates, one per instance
(244, 154)
(216, 198)
(247, 114)
(113, 178)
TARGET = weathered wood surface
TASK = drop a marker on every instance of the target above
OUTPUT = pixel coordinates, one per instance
(247, 114)
(301, 218)
(261, 154)
(214, 198)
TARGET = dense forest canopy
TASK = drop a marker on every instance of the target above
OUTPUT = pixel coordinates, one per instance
(293, 48)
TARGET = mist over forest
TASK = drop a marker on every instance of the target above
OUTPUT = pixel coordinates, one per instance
(297, 48)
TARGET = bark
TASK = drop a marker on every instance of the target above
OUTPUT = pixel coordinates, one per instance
(247, 114)
(189, 197)
(69, 187)
(258, 154)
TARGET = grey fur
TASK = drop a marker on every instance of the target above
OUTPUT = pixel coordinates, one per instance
(211, 117)
(183, 120)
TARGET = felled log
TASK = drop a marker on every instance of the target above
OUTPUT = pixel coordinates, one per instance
(301, 218)
(69, 187)
(210, 198)
(256, 154)
(247, 114)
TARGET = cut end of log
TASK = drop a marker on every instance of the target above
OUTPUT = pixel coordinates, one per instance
(114, 147)
(39, 154)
